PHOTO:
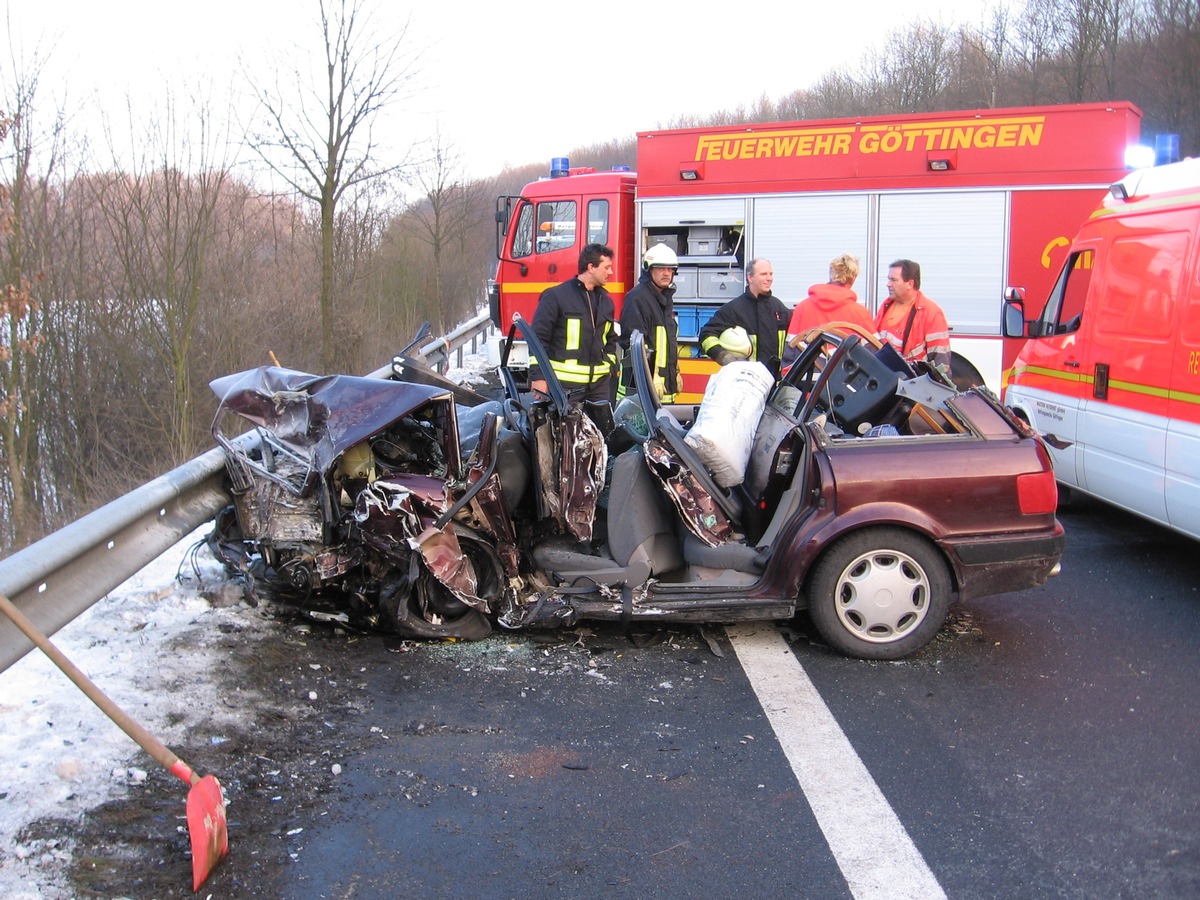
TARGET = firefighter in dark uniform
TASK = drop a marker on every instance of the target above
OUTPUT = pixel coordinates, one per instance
(648, 308)
(763, 315)
(575, 321)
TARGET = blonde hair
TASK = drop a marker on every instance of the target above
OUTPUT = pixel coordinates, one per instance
(843, 269)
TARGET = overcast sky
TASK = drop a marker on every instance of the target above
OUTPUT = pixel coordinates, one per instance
(505, 83)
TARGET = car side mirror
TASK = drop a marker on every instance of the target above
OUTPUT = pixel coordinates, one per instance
(1013, 322)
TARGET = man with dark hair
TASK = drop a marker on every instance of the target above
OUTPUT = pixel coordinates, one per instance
(913, 324)
(758, 314)
(575, 321)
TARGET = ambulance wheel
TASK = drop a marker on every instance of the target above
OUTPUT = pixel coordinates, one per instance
(880, 593)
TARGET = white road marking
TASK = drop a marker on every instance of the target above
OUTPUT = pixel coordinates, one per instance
(874, 852)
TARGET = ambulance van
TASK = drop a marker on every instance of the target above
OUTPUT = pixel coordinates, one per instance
(1110, 373)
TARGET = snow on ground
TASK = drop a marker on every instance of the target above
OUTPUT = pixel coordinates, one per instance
(59, 754)
(474, 370)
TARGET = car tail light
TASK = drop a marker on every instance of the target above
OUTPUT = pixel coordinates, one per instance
(1037, 492)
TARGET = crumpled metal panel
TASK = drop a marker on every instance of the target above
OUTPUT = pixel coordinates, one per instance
(336, 561)
(701, 514)
(396, 516)
(386, 513)
(449, 565)
(581, 472)
(487, 510)
(321, 417)
(571, 456)
(268, 512)
(546, 454)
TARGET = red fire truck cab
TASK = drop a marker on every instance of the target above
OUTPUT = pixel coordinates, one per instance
(982, 199)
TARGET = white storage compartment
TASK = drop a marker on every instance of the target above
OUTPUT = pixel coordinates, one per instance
(720, 284)
(704, 240)
(686, 284)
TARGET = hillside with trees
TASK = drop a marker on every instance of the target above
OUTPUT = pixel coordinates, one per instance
(125, 286)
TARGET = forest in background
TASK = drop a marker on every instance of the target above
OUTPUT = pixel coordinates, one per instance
(126, 286)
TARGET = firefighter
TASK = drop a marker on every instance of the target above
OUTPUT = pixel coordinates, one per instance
(649, 309)
(761, 313)
(576, 325)
(913, 324)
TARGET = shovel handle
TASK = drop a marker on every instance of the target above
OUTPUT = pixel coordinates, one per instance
(144, 738)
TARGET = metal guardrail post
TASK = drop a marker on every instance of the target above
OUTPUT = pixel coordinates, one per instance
(60, 576)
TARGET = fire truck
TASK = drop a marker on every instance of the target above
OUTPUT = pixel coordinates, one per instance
(982, 199)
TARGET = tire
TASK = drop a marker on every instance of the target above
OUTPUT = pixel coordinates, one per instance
(881, 593)
(404, 605)
(410, 596)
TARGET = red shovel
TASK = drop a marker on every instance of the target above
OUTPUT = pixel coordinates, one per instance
(205, 802)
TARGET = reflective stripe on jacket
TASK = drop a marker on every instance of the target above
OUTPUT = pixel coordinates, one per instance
(650, 311)
(929, 337)
(576, 326)
(765, 319)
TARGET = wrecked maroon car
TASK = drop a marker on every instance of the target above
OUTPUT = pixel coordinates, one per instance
(869, 493)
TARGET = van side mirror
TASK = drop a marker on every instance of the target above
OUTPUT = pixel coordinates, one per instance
(1013, 323)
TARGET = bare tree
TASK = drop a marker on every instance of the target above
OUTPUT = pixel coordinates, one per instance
(449, 206)
(161, 221)
(911, 71)
(29, 158)
(837, 93)
(18, 345)
(1074, 40)
(1164, 75)
(318, 132)
(985, 57)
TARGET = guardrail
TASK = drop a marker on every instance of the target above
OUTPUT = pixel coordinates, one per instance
(60, 576)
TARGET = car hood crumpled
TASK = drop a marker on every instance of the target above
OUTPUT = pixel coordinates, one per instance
(319, 417)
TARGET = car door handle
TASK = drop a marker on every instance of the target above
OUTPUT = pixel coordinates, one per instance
(1072, 363)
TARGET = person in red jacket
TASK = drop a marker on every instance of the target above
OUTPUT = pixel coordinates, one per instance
(913, 324)
(834, 301)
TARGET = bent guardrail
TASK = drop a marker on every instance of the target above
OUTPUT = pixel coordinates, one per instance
(60, 576)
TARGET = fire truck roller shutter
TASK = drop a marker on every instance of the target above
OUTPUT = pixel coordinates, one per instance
(961, 242)
(800, 235)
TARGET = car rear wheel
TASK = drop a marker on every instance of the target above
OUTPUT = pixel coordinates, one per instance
(882, 593)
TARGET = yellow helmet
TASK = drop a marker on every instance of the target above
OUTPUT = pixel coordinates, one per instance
(737, 341)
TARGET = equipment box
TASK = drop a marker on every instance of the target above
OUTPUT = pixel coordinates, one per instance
(720, 284)
(671, 240)
(704, 240)
(692, 319)
(686, 284)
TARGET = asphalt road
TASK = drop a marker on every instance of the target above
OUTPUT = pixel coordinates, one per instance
(1047, 744)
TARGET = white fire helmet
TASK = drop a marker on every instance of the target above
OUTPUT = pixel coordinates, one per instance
(661, 255)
